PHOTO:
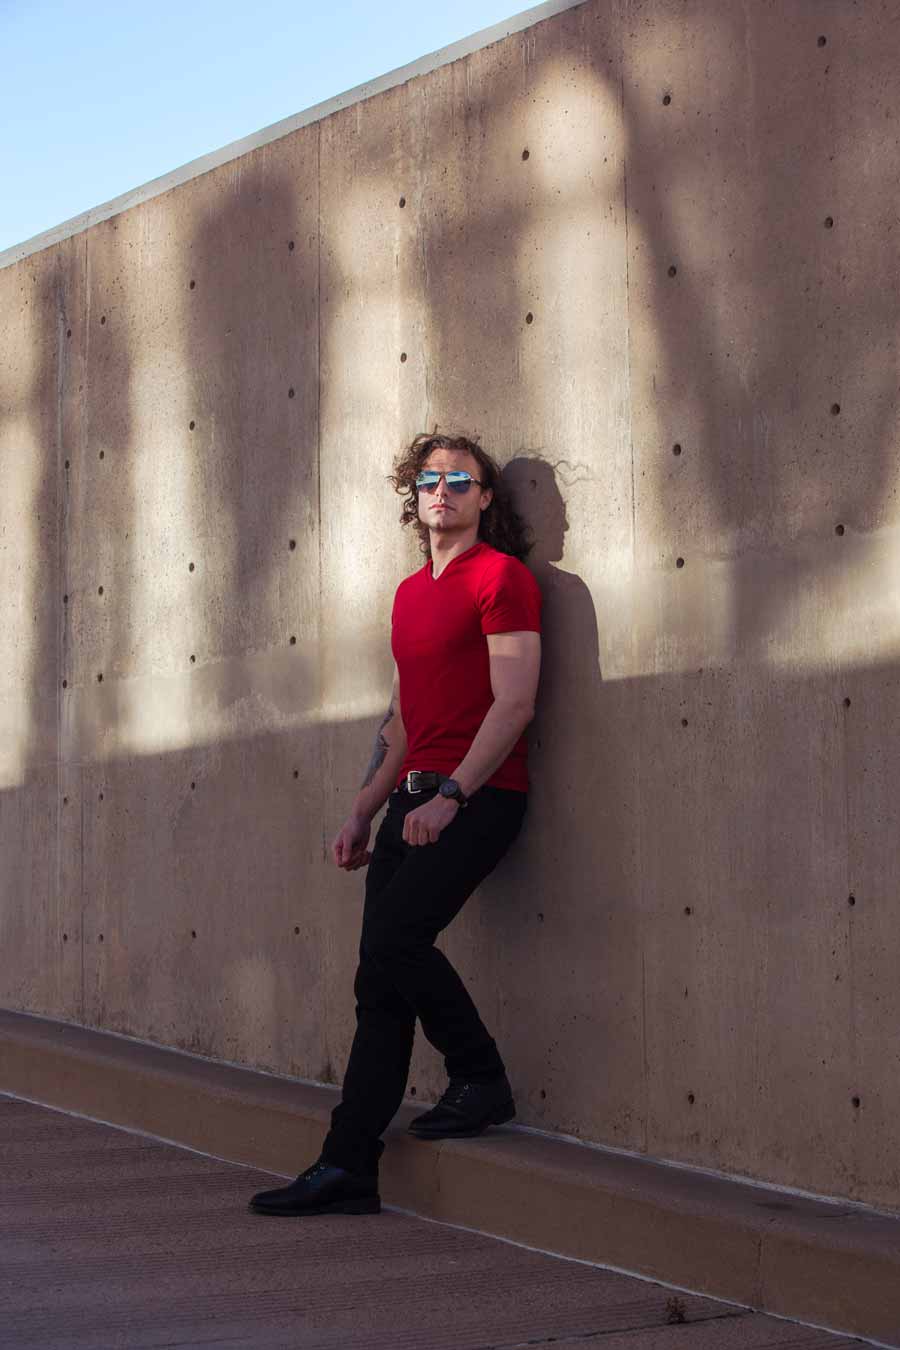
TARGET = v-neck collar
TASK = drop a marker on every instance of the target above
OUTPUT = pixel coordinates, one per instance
(429, 566)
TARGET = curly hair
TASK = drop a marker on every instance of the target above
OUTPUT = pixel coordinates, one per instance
(501, 526)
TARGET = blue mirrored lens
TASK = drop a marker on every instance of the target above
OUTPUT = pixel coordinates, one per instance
(458, 479)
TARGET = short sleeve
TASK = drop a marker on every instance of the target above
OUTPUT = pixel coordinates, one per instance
(509, 600)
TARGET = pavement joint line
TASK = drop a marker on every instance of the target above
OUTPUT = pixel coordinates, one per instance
(647, 1279)
(610, 1331)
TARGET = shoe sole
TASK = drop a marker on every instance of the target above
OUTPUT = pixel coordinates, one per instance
(499, 1117)
(363, 1206)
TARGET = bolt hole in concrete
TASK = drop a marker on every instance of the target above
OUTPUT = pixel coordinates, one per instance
(676, 449)
(525, 154)
(402, 201)
(839, 529)
(529, 317)
(835, 409)
(673, 270)
(403, 356)
(822, 41)
(851, 900)
(667, 99)
(291, 246)
(829, 222)
(193, 284)
(679, 562)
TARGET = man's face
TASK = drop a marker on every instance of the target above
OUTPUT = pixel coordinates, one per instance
(446, 511)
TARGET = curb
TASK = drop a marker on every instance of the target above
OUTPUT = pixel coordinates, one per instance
(828, 1263)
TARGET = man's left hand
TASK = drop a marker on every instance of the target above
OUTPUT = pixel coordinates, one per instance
(424, 825)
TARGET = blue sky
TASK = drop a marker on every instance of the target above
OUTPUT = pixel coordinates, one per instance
(99, 97)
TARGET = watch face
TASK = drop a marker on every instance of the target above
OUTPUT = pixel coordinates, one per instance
(448, 787)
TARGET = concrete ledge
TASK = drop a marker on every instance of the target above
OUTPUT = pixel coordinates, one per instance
(835, 1265)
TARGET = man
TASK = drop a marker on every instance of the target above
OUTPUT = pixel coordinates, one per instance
(451, 757)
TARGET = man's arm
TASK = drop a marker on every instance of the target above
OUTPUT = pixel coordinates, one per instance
(515, 670)
(387, 756)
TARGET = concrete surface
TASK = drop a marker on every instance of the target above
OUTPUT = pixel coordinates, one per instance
(834, 1265)
(691, 951)
(114, 1239)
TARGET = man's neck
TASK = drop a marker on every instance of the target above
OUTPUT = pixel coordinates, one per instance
(444, 550)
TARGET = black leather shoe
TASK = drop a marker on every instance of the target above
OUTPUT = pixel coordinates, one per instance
(321, 1189)
(466, 1109)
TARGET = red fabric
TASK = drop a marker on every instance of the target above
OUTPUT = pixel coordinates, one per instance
(438, 637)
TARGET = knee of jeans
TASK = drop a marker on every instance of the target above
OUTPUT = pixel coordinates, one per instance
(386, 947)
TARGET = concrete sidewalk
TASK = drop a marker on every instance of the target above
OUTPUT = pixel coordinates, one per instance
(114, 1239)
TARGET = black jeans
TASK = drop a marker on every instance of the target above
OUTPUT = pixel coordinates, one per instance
(412, 893)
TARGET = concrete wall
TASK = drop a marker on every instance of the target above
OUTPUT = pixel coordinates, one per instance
(692, 951)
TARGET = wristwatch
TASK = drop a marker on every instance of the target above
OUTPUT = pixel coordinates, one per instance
(450, 788)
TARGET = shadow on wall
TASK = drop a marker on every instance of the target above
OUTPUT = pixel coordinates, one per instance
(552, 944)
(614, 249)
(647, 263)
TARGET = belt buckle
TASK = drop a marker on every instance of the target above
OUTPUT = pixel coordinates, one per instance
(413, 773)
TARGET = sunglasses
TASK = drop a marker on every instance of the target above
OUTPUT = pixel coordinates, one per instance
(457, 480)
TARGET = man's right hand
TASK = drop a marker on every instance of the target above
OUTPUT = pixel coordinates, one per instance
(349, 847)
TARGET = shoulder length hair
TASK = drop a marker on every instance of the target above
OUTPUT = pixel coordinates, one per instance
(501, 526)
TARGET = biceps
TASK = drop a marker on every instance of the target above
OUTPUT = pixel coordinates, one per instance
(515, 666)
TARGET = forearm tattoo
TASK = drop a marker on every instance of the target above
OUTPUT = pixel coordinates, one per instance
(381, 748)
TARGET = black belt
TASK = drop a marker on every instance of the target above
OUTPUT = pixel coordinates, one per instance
(418, 780)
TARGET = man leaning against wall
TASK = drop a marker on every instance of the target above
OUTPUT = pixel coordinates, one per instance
(450, 759)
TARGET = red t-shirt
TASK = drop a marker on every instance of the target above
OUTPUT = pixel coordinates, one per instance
(438, 637)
